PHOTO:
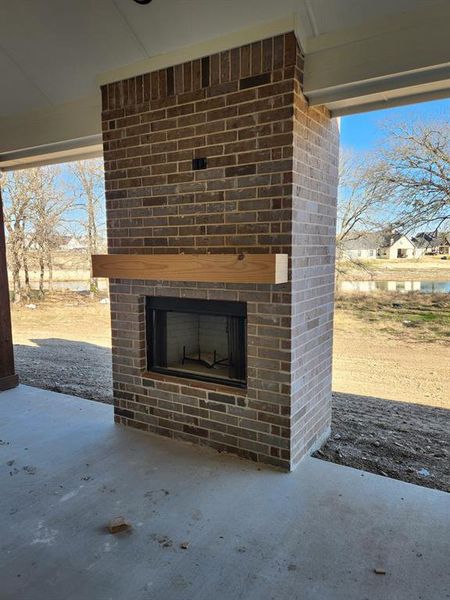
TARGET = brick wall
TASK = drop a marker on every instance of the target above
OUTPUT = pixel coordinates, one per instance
(269, 187)
(314, 195)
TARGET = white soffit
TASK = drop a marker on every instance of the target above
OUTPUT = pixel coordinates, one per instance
(54, 51)
(390, 98)
(82, 149)
(402, 58)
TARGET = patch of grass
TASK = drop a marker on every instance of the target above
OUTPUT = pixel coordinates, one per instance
(424, 316)
(420, 317)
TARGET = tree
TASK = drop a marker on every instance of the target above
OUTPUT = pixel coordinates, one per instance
(17, 208)
(49, 206)
(34, 214)
(362, 205)
(414, 170)
(89, 192)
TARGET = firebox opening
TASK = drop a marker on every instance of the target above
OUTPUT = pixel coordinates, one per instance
(197, 339)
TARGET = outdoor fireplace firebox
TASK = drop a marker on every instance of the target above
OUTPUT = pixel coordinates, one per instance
(197, 339)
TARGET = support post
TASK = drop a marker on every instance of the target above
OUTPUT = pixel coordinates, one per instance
(8, 377)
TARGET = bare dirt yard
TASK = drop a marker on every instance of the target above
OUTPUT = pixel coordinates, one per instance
(391, 402)
(64, 345)
(430, 268)
(394, 346)
(391, 406)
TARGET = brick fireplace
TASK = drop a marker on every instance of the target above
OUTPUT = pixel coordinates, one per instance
(222, 155)
(204, 340)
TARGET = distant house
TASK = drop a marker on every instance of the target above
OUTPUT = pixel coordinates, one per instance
(360, 245)
(70, 242)
(433, 242)
(384, 244)
(397, 245)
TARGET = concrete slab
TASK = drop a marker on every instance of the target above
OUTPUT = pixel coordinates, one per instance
(253, 533)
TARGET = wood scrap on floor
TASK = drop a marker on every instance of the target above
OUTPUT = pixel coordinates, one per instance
(118, 524)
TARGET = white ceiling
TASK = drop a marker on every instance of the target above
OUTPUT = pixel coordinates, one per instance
(55, 53)
(328, 16)
(52, 51)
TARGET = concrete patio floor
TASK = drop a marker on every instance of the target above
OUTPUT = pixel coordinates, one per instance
(254, 533)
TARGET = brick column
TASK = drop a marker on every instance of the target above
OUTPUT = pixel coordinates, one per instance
(314, 199)
(269, 186)
(8, 378)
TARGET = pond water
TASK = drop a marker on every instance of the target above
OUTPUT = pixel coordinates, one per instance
(425, 287)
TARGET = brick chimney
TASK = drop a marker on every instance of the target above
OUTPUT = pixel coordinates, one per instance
(269, 186)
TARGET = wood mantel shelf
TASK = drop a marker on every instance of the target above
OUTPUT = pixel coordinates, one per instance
(217, 268)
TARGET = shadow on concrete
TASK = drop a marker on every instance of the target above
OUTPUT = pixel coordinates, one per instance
(66, 366)
(396, 439)
(404, 441)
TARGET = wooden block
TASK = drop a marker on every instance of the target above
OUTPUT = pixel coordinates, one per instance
(222, 268)
(118, 524)
(8, 382)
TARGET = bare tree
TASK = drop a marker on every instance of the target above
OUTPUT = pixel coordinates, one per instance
(363, 207)
(17, 207)
(89, 176)
(414, 171)
(362, 204)
(47, 216)
(34, 212)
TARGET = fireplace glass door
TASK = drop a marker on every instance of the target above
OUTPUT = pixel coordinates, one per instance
(198, 339)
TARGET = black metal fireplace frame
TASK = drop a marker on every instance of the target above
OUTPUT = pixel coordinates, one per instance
(156, 309)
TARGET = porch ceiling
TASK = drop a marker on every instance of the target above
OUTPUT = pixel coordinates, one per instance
(54, 55)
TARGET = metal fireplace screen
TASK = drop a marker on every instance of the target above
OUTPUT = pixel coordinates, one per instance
(197, 339)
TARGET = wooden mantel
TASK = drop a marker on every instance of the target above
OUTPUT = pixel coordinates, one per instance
(218, 268)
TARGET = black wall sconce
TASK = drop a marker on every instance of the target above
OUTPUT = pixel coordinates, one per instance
(142, 1)
(199, 163)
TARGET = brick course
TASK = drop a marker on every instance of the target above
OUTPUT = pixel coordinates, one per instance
(269, 186)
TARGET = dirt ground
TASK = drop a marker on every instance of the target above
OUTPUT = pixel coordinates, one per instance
(430, 268)
(394, 347)
(401, 440)
(64, 345)
(391, 406)
(391, 402)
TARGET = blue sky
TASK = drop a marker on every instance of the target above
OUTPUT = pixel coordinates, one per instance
(363, 131)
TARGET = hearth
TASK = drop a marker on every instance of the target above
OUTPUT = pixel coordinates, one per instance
(197, 339)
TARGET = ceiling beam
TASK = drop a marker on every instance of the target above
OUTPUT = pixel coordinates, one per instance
(380, 101)
(56, 134)
(406, 51)
(71, 150)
